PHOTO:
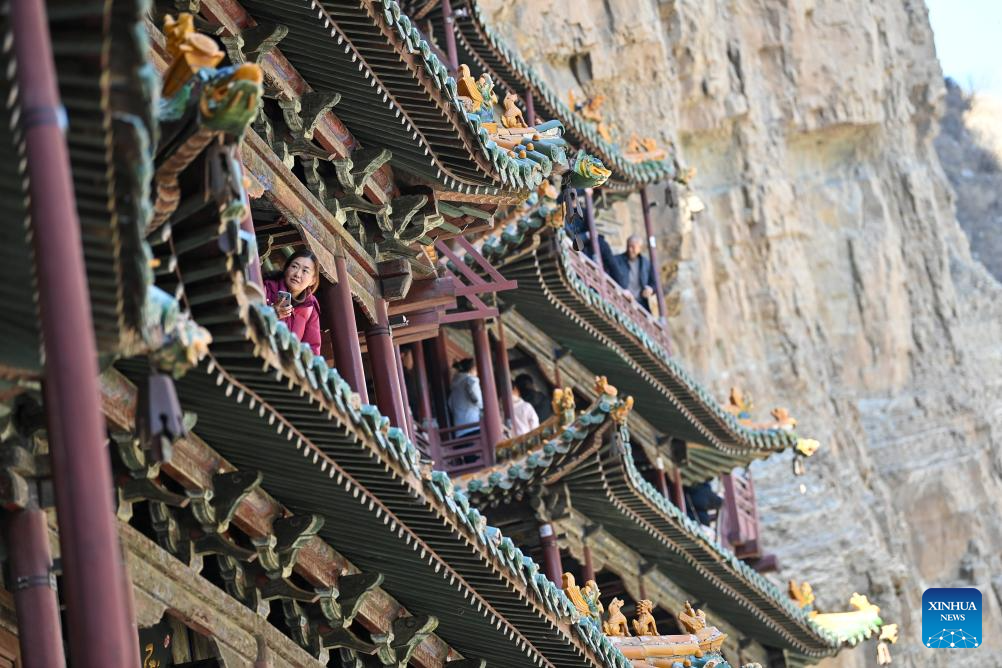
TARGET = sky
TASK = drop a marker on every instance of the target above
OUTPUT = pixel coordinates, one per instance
(969, 42)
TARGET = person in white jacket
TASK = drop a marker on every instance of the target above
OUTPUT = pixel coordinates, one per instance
(525, 418)
(465, 399)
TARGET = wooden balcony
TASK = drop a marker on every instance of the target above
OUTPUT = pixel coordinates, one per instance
(451, 452)
(738, 522)
(618, 298)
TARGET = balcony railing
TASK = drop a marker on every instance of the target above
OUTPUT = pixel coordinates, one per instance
(740, 527)
(619, 298)
(451, 452)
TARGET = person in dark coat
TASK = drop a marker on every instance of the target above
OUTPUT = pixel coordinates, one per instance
(298, 308)
(610, 262)
(634, 272)
(700, 500)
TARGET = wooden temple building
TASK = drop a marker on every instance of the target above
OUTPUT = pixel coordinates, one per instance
(186, 483)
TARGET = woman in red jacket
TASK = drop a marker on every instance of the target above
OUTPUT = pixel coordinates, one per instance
(298, 308)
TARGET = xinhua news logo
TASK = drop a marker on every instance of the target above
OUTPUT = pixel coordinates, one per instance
(951, 618)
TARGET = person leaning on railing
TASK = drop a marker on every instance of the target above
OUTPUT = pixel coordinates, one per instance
(291, 293)
(633, 271)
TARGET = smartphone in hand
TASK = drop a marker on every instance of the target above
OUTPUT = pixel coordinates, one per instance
(284, 298)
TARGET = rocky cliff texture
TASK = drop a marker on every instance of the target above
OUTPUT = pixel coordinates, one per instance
(970, 148)
(827, 273)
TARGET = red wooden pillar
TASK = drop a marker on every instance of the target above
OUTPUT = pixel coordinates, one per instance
(450, 36)
(101, 632)
(530, 109)
(405, 406)
(679, 457)
(384, 367)
(339, 312)
(551, 554)
(424, 389)
(34, 586)
(659, 465)
(504, 374)
(652, 243)
(588, 568)
(485, 370)
(439, 378)
(677, 493)
(592, 230)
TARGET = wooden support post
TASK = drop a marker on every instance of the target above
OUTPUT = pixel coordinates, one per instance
(588, 568)
(379, 342)
(101, 631)
(450, 36)
(530, 109)
(652, 243)
(504, 374)
(551, 553)
(424, 389)
(679, 457)
(677, 492)
(439, 378)
(659, 465)
(34, 586)
(339, 311)
(488, 388)
(592, 230)
(405, 407)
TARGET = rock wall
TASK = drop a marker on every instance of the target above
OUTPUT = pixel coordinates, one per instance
(969, 146)
(827, 273)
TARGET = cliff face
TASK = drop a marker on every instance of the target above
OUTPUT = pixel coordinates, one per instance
(970, 148)
(827, 273)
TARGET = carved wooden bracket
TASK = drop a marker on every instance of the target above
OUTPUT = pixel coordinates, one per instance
(394, 648)
(213, 508)
(254, 43)
(143, 483)
(326, 625)
(277, 554)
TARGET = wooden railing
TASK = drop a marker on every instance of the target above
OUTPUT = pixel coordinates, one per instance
(610, 291)
(740, 517)
(519, 445)
(452, 453)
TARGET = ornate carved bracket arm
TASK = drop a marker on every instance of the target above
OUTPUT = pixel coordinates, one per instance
(214, 508)
(250, 45)
(394, 648)
(143, 483)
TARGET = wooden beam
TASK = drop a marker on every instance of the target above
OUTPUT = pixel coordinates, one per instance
(192, 465)
(416, 335)
(318, 226)
(425, 9)
(426, 294)
(331, 133)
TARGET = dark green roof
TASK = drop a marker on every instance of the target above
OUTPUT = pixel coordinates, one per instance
(509, 480)
(265, 401)
(480, 45)
(395, 92)
(19, 326)
(106, 85)
(606, 487)
(622, 346)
